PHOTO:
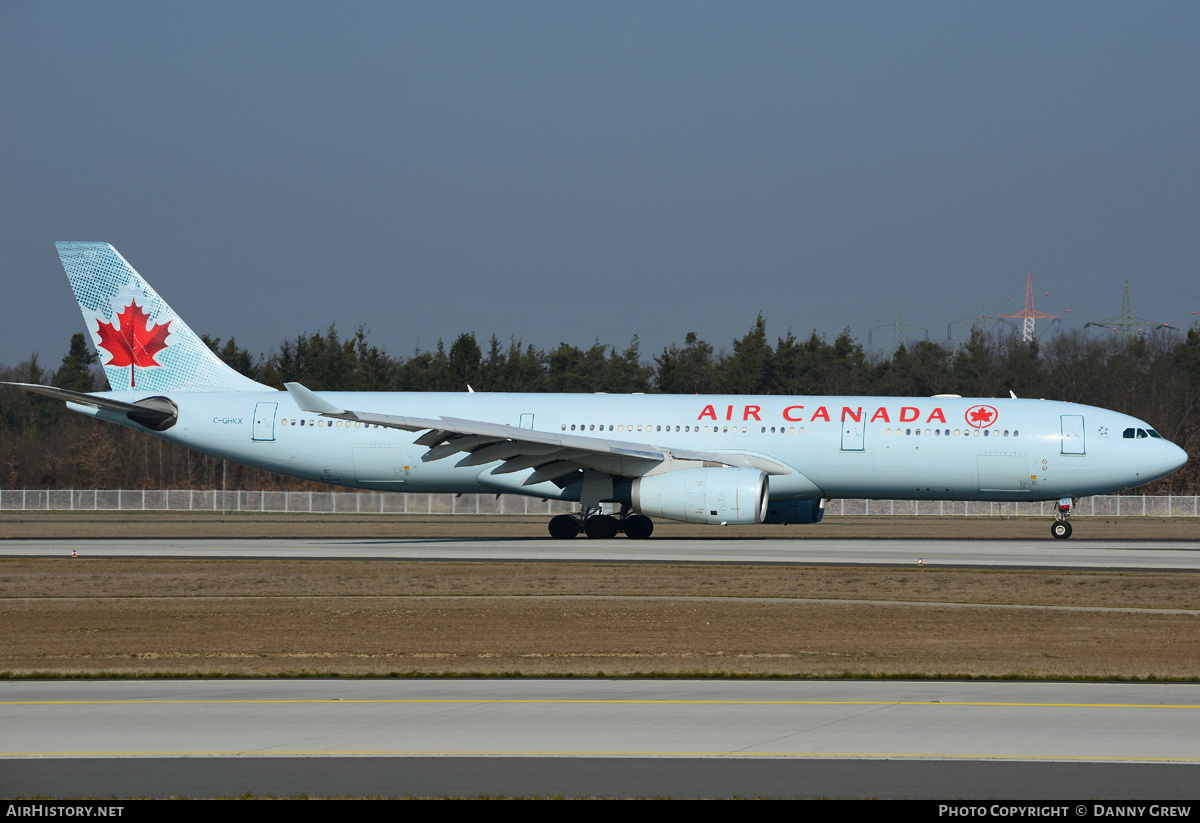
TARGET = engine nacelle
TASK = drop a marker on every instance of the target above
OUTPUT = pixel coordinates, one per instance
(796, 511)
(716, 495)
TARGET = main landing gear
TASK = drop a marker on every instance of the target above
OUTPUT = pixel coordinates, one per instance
(1061, 529)
(600, 526)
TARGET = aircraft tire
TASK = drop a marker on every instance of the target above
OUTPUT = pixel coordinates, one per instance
(638, 527)
(601, 526)
(1061, 530)
(563, 527)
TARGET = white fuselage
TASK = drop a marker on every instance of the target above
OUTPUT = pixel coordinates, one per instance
(875, 447)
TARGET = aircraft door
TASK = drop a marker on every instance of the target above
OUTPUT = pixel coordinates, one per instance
(379, 466)
(1004, 472)
(853, 433)
(1072, 434)
(527, 420)
(264, 421)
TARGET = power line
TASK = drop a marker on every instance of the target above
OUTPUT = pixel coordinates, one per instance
(1126, 323)
(980, 321)
(897, 331)
(1030, 314)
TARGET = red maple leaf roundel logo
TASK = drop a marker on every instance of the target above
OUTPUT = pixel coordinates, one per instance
(133, 344)
(980, 417)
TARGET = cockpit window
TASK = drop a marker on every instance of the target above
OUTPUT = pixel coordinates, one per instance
(1127, 434)
(1154, 434)
(1142, 434)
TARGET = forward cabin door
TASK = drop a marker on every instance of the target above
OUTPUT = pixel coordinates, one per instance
(1072, 434)
(264, 421)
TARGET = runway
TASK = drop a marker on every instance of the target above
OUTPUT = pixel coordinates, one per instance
(600, 737)
(1175, 555)
(609, 738)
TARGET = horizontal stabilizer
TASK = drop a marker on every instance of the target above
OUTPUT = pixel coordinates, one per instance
(148, 415)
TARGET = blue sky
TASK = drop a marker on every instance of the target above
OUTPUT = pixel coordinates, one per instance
(573, 171)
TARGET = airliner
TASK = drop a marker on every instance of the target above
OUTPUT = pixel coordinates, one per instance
(625, 459)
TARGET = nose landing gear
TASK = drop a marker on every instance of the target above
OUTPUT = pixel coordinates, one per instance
(1061, 529)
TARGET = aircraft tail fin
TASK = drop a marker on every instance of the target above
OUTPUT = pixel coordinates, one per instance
(143, 344)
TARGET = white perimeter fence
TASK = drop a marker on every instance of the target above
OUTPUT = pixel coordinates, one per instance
(402, 503)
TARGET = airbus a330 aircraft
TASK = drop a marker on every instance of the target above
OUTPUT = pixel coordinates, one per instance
(695, 458)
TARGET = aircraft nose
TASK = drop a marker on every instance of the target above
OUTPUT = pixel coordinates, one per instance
(1176, 458)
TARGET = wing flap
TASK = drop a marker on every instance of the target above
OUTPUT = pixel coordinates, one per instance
(521, 462)
(456, 445)
(433, 438)
(551, 471)
(490, 454)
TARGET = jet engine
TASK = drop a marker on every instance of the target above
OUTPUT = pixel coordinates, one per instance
(714, 495)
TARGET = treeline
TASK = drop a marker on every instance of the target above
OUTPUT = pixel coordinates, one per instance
(1154, 377)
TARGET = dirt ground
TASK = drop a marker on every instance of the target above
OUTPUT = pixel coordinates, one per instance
(92, 616)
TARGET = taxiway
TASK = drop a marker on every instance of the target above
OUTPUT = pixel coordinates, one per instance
(600, 737)
(1182, 555)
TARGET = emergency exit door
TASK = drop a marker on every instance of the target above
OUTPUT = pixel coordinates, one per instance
(852, 435)
(264, 421)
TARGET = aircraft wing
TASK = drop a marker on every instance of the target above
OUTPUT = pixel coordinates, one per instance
(551, 455)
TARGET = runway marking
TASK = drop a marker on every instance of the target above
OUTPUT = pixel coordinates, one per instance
(509, 701)
(632, 753)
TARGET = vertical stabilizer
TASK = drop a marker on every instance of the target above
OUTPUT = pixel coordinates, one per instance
(143, 344)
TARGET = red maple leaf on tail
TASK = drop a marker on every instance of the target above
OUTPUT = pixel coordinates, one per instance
(133, 344)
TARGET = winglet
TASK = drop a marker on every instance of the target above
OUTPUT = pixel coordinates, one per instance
(310, 401)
